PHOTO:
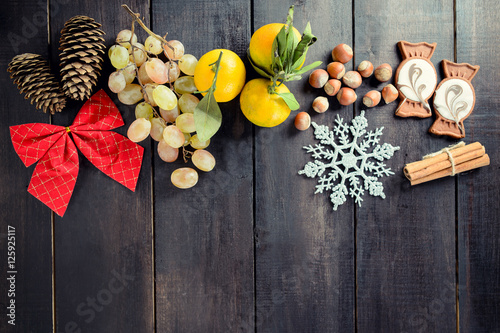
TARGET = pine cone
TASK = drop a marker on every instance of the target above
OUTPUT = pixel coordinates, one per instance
(31, 73)
(82, 46)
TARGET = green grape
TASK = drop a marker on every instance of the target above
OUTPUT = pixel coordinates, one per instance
(156, 70)
(188, 102)
(139, 130)
(164, 97)
(187, 139)
(184, 178)
(185, 85)
(111, 49)
(124, 37)
(116, 82)
(173, 136)
(185, 122)
(197, 144)
(143, 75)
(153, 45)
(119, 57)
(167, 153)
(173, 71)
(138, 54)
(157, 128)
(203, 160)
(174, 50)
(148, 93)
(131, 95)
(144, 110)
(129, 73)
(170, 115)
(187, 64)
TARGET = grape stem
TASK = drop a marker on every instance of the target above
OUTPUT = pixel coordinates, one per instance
(138, 20)
(215, 65)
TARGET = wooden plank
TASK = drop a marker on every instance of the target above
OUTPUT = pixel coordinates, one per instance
(304, 249)
(478, 191)
(204, 247)
(25, 31)
(103, 244)
(405, 243)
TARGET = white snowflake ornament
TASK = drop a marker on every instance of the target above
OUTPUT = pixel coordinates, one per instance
(349, 161)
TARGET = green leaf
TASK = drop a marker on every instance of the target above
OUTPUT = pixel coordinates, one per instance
(307, 40)
(207, 117)
(308, 67)
(259, 70)
(290, 49)
(290, 100)
(281, 42)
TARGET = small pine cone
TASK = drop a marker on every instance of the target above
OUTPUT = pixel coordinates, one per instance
(82, 47)
(31, 73)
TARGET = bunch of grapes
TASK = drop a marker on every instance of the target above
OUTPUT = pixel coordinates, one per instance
(143, 79)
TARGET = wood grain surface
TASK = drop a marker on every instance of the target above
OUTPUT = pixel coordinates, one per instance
(250, 248)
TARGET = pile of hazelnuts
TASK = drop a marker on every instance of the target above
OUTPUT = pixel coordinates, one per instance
(335, 75)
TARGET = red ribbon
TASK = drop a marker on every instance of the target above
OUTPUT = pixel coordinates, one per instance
(55, 175)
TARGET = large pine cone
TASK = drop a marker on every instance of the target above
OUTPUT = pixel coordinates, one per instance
(82, 46)
(31, 73)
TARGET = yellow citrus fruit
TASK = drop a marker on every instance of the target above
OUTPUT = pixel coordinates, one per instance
(262, 108)
(261, 45)
(231, 76)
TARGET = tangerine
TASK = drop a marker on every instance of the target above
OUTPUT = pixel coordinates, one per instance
(260, 106)
(261, 45)
(231, 76)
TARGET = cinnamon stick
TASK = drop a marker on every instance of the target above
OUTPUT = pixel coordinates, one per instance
(427, 162)
(466, 166)
(439, 165)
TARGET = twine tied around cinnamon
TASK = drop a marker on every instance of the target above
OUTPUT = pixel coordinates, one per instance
(447, 150)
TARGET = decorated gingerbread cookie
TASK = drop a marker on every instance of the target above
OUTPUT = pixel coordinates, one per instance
(454, 99)
(416, 79)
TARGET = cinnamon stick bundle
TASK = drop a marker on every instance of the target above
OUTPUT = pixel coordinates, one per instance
(447, 162)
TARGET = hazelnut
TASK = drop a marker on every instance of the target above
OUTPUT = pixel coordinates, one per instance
(372, 98)
(383, 72)
(302, 121)
(389, 93)
(352, 79)
(346, 96)
(336, 69)
(332, 87)
(342, 53)
(320, 104)
(318, 78)
(365, 68)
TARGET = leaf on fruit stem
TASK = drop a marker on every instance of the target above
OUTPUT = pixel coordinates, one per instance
(207, 117)
(257, 68)
(307, 40)
(290, 100)
(308, 68)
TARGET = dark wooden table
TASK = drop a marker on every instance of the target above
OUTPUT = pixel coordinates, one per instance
(250, 248)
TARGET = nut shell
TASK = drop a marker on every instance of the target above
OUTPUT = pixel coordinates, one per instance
(383, 73)
(372, 98)
(389, 93)
(365, 68)
(342, 53)
(352, 79)
(318, 78)
(336, 70)
(332, 87)
(320, 104)
(346, 96)
(302, 121)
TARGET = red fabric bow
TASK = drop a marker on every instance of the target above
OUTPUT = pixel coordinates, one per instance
(55, 175)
